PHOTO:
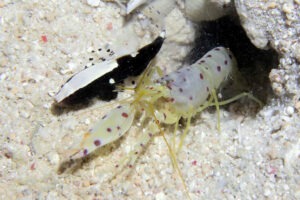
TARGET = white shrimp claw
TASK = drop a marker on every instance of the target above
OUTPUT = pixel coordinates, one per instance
(110, 128)
(133, 4)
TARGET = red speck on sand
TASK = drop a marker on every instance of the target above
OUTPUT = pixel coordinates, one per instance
(272, 170)
(32, 166)
(109, 26)
(44, 38)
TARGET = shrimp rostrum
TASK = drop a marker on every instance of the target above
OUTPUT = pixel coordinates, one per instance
(165, 99)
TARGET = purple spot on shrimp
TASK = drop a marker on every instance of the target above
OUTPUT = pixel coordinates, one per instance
(119, 107)
(85, 152)
(125, 115)
(191, 98)
(219, 68)
(97, 143)
(108, 129)
(225, 62)
(230, 56)
(180, 90)
(217, 49)
(208, 56)
(201, 76)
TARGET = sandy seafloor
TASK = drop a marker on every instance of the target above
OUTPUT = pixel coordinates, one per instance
(254, 156)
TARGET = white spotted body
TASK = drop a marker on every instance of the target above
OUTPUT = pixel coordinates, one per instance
(181, 94)
(166, 99)
(190, 86)
(108, 129)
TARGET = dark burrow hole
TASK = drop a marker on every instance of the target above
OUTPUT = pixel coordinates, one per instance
(254, 64)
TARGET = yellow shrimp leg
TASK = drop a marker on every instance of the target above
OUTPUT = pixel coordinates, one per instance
(184, 133)
(207, 104)
(243, 94)
(214, 95)
(217, 104)
(110, 128)
(174, 135)
(130, 159)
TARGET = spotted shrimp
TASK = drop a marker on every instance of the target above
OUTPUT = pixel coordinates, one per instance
(164, 100)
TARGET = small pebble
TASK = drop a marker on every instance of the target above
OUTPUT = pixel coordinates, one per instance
(64, 71)
(297, 106)
(289, 110)
(25, 114)
(267, 192)
(297, 52)
(53, 158)
(3, 76)
(71, 66)
(7, 153)
(47, 105)
(160, 196)
(93, 3)
(272, 5)
(287, 8)
(87, 121)
(286, 187)
(51, 93)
